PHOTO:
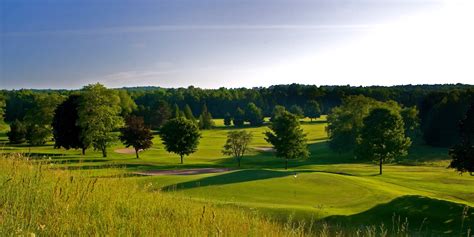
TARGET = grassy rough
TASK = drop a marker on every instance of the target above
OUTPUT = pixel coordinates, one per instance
(36, 200)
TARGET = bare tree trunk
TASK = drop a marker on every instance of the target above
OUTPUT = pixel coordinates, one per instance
(181, 159)
(136, 152)
(83, 151)
(104, 152)
(380, 164)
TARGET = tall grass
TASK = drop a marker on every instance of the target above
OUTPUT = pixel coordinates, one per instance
(37, 200)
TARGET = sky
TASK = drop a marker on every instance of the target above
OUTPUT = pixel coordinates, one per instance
(66, 44)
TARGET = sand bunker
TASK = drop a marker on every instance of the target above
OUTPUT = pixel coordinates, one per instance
(126, 151)
(265, 149)
(184, 171)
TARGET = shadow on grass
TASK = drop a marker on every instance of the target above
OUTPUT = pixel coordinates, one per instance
(421, 215)
(231, 178)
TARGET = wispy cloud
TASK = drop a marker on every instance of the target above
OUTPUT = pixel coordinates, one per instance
(164, 28)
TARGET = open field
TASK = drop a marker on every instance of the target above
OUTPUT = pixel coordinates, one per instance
(328, 186)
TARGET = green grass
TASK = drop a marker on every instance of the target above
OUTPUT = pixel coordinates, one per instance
(328, 186)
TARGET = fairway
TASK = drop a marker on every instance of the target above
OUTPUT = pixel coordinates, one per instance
(328, 186)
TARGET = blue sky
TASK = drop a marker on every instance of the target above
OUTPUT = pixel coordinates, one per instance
(177, 43)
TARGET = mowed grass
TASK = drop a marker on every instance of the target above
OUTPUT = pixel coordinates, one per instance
(328, 186)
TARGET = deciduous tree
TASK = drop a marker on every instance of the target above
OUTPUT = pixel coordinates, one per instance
(253, 115)
(462, 154)
(312, 110)
(239, 117)
(135, 134)
(382, 137)
(227, 119)
(287, 137)
(99, 115)
(298, 111)
(237, 144)
(17, 133)
(180, 136)
(66, 129)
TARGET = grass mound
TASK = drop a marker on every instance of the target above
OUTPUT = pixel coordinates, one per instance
(410, 212)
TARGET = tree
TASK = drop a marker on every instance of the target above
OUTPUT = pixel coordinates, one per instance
(237, 144)
(136, 134)
(312, 110)
(411, 121)
(39, 117)
(277, 111)
(345, 122)
(36, 135)
(180, 136)
(462, 154)
(17, 133)
(253, 115)
(188, 113)
(205, 119)
(176, 111)
(66, 129)
(227, 119)
(298, 111)
(383, 137)
(127, 104)
(287, 137)
(2, 108)
(99, 115)
(239, 117)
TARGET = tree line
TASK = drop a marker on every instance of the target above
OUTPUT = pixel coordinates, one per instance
(381, 129)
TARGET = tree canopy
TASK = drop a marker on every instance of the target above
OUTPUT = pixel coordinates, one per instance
(312, 110)
(180, 136)
(205, 119)
(237, 144)
(382, 137)
(135, 134)
(17, 133)
(253, 115)
(462, 154)
(66, 130)
(99, 115)
(287, 137)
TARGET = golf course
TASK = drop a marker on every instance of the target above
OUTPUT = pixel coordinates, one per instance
(416, 194)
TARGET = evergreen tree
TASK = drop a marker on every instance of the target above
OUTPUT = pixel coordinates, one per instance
(188, 113)
(176, 111)
(205, 119)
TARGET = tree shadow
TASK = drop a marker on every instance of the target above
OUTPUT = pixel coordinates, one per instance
(239, 176)
(422, 215)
